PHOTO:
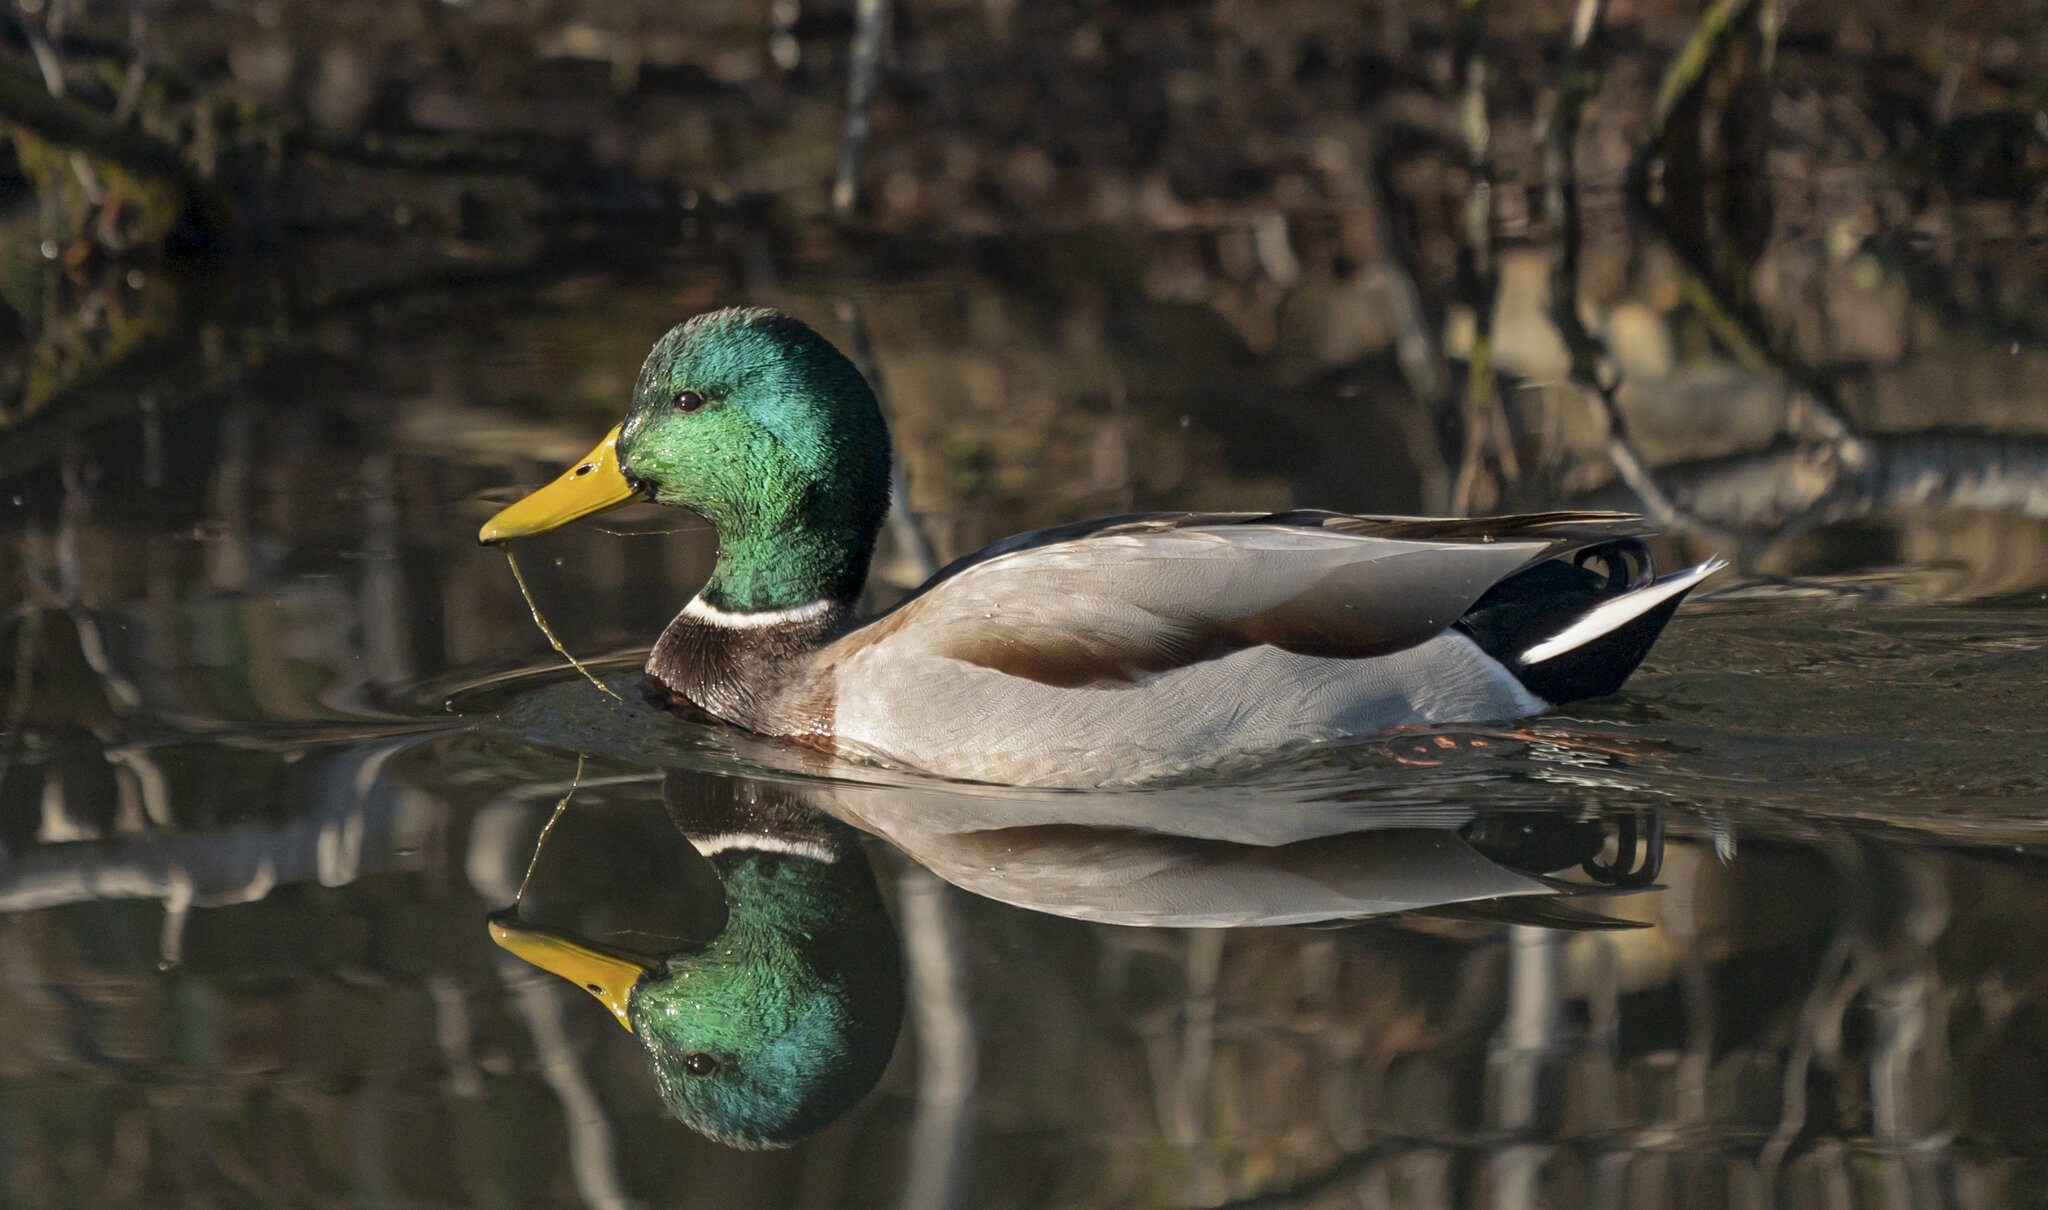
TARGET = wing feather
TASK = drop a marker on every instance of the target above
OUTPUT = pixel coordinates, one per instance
(1563, 529)
(1113, 602)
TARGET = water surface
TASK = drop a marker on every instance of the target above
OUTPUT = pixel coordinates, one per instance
(280, 738)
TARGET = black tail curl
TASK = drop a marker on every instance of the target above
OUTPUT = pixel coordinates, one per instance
(1545, 599)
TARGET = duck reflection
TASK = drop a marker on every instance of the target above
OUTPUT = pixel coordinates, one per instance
(759, 969)
(783, 1017)
(1204, 857)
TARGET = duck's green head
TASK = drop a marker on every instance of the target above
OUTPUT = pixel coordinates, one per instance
(777, 1026)
(755, 422)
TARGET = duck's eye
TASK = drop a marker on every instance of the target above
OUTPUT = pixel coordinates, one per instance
(697, 1063)
(688, 401)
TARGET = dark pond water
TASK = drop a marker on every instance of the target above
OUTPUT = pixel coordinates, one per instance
(281, 741)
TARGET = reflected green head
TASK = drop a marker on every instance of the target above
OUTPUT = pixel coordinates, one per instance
(780, 1025)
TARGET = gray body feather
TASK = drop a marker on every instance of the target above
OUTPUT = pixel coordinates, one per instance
(1120, 659)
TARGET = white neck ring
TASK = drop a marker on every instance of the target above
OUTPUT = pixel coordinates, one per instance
(701, 610)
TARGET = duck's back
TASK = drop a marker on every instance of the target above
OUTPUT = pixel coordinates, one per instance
(1139, 648)
(970, 722)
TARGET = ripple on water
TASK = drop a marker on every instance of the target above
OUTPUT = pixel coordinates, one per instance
(1779, 713)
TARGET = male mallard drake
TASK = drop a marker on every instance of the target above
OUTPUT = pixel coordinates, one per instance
(780, 1023)
(1110, 651)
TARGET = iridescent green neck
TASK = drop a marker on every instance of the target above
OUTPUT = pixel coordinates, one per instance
(797, 893)
(784, 565)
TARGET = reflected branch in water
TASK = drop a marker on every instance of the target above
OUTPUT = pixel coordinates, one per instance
(37, 28)
(1396, 130)
(1745, 337)
(913, 545)
(863, 79)
(1847, 968)
(1525, 1044)
(28, 633)
(357, 822)
(1716, 31)
(1192, 1126)
(1578, 82)
(494, 866)
(132, 80)
(1484, 422)
(1910, 1061)
(1732, 321)
(1790, 488)
(943, 1022)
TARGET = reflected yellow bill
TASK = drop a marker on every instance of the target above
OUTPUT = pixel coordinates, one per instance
(608, 977)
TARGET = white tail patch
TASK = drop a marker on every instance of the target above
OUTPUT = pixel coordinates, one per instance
(1616, 612)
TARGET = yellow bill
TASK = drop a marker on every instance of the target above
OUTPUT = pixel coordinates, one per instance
(608, 977)
(594, 485)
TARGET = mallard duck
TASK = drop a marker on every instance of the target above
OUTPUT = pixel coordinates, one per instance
(1111, 651)
(779, 1024)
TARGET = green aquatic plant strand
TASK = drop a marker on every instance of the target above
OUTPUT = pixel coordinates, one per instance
(538, 620)
(561, 808)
